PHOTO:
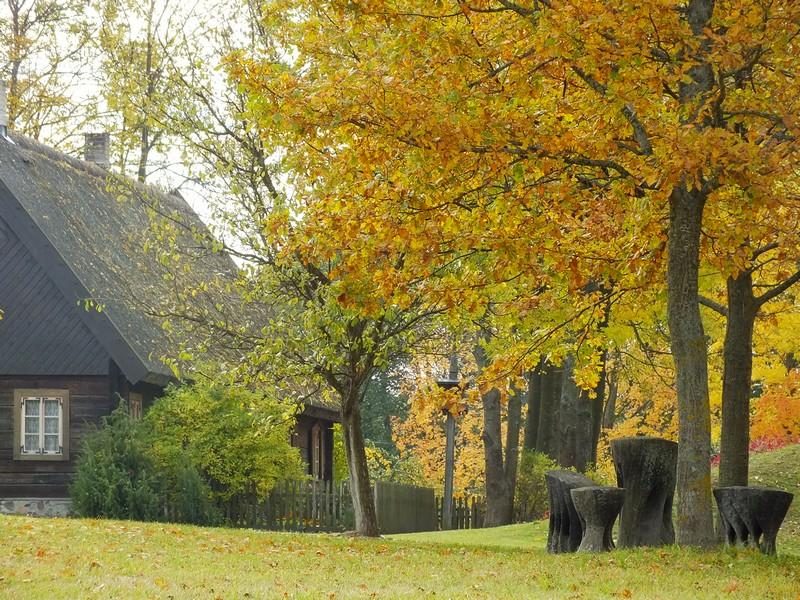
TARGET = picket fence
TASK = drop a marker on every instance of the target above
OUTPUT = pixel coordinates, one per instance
(468, 512)
(306, 506)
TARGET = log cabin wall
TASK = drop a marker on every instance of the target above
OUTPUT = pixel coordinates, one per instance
(44, 345)
(89, 401)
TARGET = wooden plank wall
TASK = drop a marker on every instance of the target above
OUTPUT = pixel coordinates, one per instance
(404, 508)
(41, 332)
(89, 401)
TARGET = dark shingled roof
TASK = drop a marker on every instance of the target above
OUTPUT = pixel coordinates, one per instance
(85, 226)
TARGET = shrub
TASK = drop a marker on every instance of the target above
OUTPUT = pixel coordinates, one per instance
(340, 471)
(116, 477)
(188, 496)
(198, 447)
(531, 494)
(237, 440)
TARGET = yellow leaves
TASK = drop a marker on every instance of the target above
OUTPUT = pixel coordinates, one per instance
(421, 435)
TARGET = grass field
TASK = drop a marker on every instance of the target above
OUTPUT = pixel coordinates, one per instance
(75, 559)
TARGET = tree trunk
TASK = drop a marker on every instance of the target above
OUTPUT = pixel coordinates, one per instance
(737, 380)
(598, 402)
(569, 417)
(144, 154)
(498, 496)
(513, 423)
(501, 473)
(360, 487)
(610, 410)
(579, 421)
(688, 342)
(534, 399)
(550, 394)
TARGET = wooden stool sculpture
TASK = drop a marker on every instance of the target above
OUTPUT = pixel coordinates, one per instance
(646, 469)
(565, 531)
(752, 515)
(597, 508)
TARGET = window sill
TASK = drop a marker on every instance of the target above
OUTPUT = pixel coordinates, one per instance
(41, 457)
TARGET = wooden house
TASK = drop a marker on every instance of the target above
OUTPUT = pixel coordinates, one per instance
(64, 243)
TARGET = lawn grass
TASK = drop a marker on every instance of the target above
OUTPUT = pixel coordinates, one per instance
(73, 559)
(781, 469)
(778, 468)
(524, 536)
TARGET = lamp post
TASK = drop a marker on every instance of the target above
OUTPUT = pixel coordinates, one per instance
(450, 446)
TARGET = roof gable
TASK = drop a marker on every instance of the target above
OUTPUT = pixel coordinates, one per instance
(42, 333)
(84, 226)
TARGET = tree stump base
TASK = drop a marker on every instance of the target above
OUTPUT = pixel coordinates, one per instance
(597, 508)
(565, 532)
(646, 469)
(752, 515)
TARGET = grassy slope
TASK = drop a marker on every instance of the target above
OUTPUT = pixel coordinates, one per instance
(781, 469)
(61, 558)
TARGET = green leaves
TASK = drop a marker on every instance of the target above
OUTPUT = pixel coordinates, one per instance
(236, 439)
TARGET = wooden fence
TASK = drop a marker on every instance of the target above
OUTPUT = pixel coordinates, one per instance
(468, 512)
(309, 506)
(404, 508)
(317, 506)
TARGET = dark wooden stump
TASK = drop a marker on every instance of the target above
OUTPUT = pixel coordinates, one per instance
(646, 469)
(752, 515)
(565, 531)
(597, 508)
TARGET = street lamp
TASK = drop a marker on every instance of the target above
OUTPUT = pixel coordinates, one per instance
(450, 446)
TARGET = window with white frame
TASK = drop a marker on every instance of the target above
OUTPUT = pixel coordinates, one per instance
(41, 424)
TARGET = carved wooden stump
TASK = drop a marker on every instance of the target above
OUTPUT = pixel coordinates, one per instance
(597, 508)
(752, 515)
(646, 469)
(565, 531)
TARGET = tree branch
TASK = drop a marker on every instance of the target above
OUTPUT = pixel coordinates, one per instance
(713, 305)
(778, 289)
(639, 132)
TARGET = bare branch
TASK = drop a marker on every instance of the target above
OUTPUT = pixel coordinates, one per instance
(713, 305)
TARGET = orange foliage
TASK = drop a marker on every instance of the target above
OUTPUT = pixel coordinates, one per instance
(422, 436)
(776, 414)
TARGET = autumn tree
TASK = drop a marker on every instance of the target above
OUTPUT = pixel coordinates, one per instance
(420, 435)
(475, 110)
(764, 268)
(289, 319)
(776, 418)
(140, 45)
(45, 64)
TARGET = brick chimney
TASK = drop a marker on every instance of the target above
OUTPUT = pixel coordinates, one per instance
(95, 149)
